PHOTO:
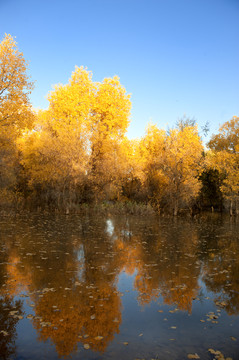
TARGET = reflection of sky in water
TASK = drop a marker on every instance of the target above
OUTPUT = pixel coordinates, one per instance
(81, 260)
(109, 227)
(126, 281)
(126, 233)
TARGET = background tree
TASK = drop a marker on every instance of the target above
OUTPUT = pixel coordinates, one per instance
(131, 162)
(210, 194)
(225, 158)
(152, 151)
(172, 164)
(182, 167)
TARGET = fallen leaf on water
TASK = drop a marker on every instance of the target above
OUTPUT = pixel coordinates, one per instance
(140, 334)
(125, 343)
(86, 346)
(173, 311)
(12, 313)
(193, 356)
(233, 338)
(98, 337)
(5, 333)
(219, 355)
(221, 304)
(173, 327)
(215, 352)
(211, 351)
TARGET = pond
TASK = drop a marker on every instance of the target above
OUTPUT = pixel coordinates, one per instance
(100, 286)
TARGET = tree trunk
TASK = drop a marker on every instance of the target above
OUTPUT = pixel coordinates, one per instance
(237, 209)
(175, 207)
(231, 212)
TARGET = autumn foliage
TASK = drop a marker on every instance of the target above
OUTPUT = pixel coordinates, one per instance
(224, 157)
(15, 110)
(77, 151)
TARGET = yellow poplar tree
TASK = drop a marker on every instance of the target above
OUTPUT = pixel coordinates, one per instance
(15, 110)
(54, 164)
(70, 105)
(152, 153)
(78, 138)
(109, 122)
(182, 166)
(130, 164)
(172, 163)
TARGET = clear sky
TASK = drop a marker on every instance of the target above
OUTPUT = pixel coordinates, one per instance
(175, 57)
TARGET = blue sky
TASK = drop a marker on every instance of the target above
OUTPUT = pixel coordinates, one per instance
(175, 57)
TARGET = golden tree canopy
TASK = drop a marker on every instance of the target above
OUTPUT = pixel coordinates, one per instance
(15, 86)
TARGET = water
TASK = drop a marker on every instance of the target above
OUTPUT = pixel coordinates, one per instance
(118, 287)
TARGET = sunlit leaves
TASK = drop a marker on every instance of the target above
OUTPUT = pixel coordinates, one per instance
(14, 87)
(172, 163)
(225, 158)
(78, 138)
(15, 110)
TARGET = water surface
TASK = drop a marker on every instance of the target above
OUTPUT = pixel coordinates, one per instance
(118, 287)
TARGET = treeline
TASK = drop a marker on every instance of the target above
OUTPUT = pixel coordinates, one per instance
(76, 152)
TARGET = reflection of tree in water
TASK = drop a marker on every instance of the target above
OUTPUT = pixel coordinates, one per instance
(9, 309)
(85, 314)
(82, 304)
(221, 265)
(165, 261)
(87, 311)
(8, 324)
(73, 266)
